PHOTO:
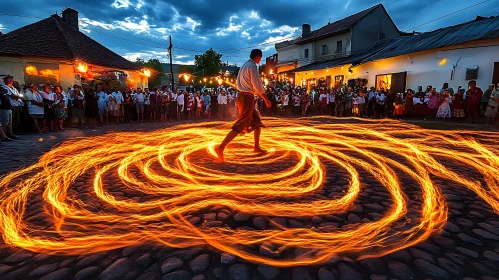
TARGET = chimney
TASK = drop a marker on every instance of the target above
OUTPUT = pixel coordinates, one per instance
(70, 16)
(305, 29)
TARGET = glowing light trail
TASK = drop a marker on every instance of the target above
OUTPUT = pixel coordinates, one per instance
(124, 189)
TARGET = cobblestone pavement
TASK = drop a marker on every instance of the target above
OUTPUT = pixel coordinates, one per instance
(467, 247)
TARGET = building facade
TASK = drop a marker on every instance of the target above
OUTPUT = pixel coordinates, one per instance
(338, 39)
(454, 55)
(59, 54)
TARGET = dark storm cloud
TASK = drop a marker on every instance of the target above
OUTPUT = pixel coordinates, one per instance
(197, 25)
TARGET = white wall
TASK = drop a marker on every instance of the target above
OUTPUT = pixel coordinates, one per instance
(288, 53)
(423, 68)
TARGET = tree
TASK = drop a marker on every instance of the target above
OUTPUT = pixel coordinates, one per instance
(210, 62)
(156, 68)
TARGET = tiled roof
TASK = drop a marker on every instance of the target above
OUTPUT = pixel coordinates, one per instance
(478, 29)
(54, 38)
(337, 27)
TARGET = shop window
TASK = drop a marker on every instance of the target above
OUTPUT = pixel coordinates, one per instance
(41, 73)
(306, 53)
(324, 49)
(395, 82)
(339, 46)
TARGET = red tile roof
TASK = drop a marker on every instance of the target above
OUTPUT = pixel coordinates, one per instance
(54, 38)
(337, 27)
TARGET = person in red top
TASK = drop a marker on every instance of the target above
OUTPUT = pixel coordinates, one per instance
(473, 97)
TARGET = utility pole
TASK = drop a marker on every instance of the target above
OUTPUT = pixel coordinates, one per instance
(171, 64)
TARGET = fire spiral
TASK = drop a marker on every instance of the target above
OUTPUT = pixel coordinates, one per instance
(123, 189)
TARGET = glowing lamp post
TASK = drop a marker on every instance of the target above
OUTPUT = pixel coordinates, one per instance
(146, 72)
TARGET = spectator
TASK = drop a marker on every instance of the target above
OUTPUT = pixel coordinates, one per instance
(102, 101)
(77, 102)
(492, 112)
(139, 99)
(35, 108)
(60, 107)
(371, 102)
(433, 103)
(15, 101)
(445, 86)
(49, 99)
(285, 103)
(5, 116)
(296, 103)
(91, 108)
(222, 103)
(199, 105)
(173, 105)
(323, 99)
(181, 105)
(153, 104)
(380, 105)
(305, 103)
(348, 102)
(473, 97)
(119, 99)
(420, 93)
(362, 104)
(484, 101)
(128, 105)
(332, 106)
(206, 104)
(444, 107)
(113, 109)
(397, 106)
(163, 106)
(340, 101)
(190, 106)
(409, 109)
(458, 105)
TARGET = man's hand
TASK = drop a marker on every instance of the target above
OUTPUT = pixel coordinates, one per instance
(268, 103)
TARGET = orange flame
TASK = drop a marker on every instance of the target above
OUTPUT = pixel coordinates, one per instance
(114, 193)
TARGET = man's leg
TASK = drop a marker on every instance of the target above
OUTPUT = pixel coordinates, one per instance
(220, 149)
(257, 133)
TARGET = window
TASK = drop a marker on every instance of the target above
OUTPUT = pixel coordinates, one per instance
(306, 53)
(339, 46)
(324, 49)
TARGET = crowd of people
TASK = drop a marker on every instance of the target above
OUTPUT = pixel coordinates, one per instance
(49, 108)
(444, 104)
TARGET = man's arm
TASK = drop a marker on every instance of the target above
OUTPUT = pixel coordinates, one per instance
(257, 84)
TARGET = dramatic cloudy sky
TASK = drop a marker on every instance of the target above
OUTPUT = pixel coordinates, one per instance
(140, 28)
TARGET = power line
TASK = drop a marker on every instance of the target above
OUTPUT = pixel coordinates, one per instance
(474, 5)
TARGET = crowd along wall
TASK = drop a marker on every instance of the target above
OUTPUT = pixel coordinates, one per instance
(433, 67)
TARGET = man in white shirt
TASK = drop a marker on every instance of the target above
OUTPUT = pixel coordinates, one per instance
(181, 104)
(285, 102)
(139, 99)
(248, 84)
(15, 102)
(222, 103)
(371, 102)
(380, 105)
(118, 97)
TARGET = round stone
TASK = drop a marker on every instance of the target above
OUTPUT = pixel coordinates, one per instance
(171, 264)
(268, 272)
(239, 272)
(200, 263)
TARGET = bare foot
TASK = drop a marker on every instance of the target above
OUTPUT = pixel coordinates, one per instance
(259, 151)
(220, 153)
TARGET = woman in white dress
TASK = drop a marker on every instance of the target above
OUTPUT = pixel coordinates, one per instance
(444, 108)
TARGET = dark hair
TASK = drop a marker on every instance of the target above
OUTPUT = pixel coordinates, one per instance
(255, 53)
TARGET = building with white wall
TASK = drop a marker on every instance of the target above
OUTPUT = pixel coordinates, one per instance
(54, 51)
(454, 54)
(341, 38)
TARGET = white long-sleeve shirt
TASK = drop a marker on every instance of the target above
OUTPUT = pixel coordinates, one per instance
(248, 79)
(222, 99)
